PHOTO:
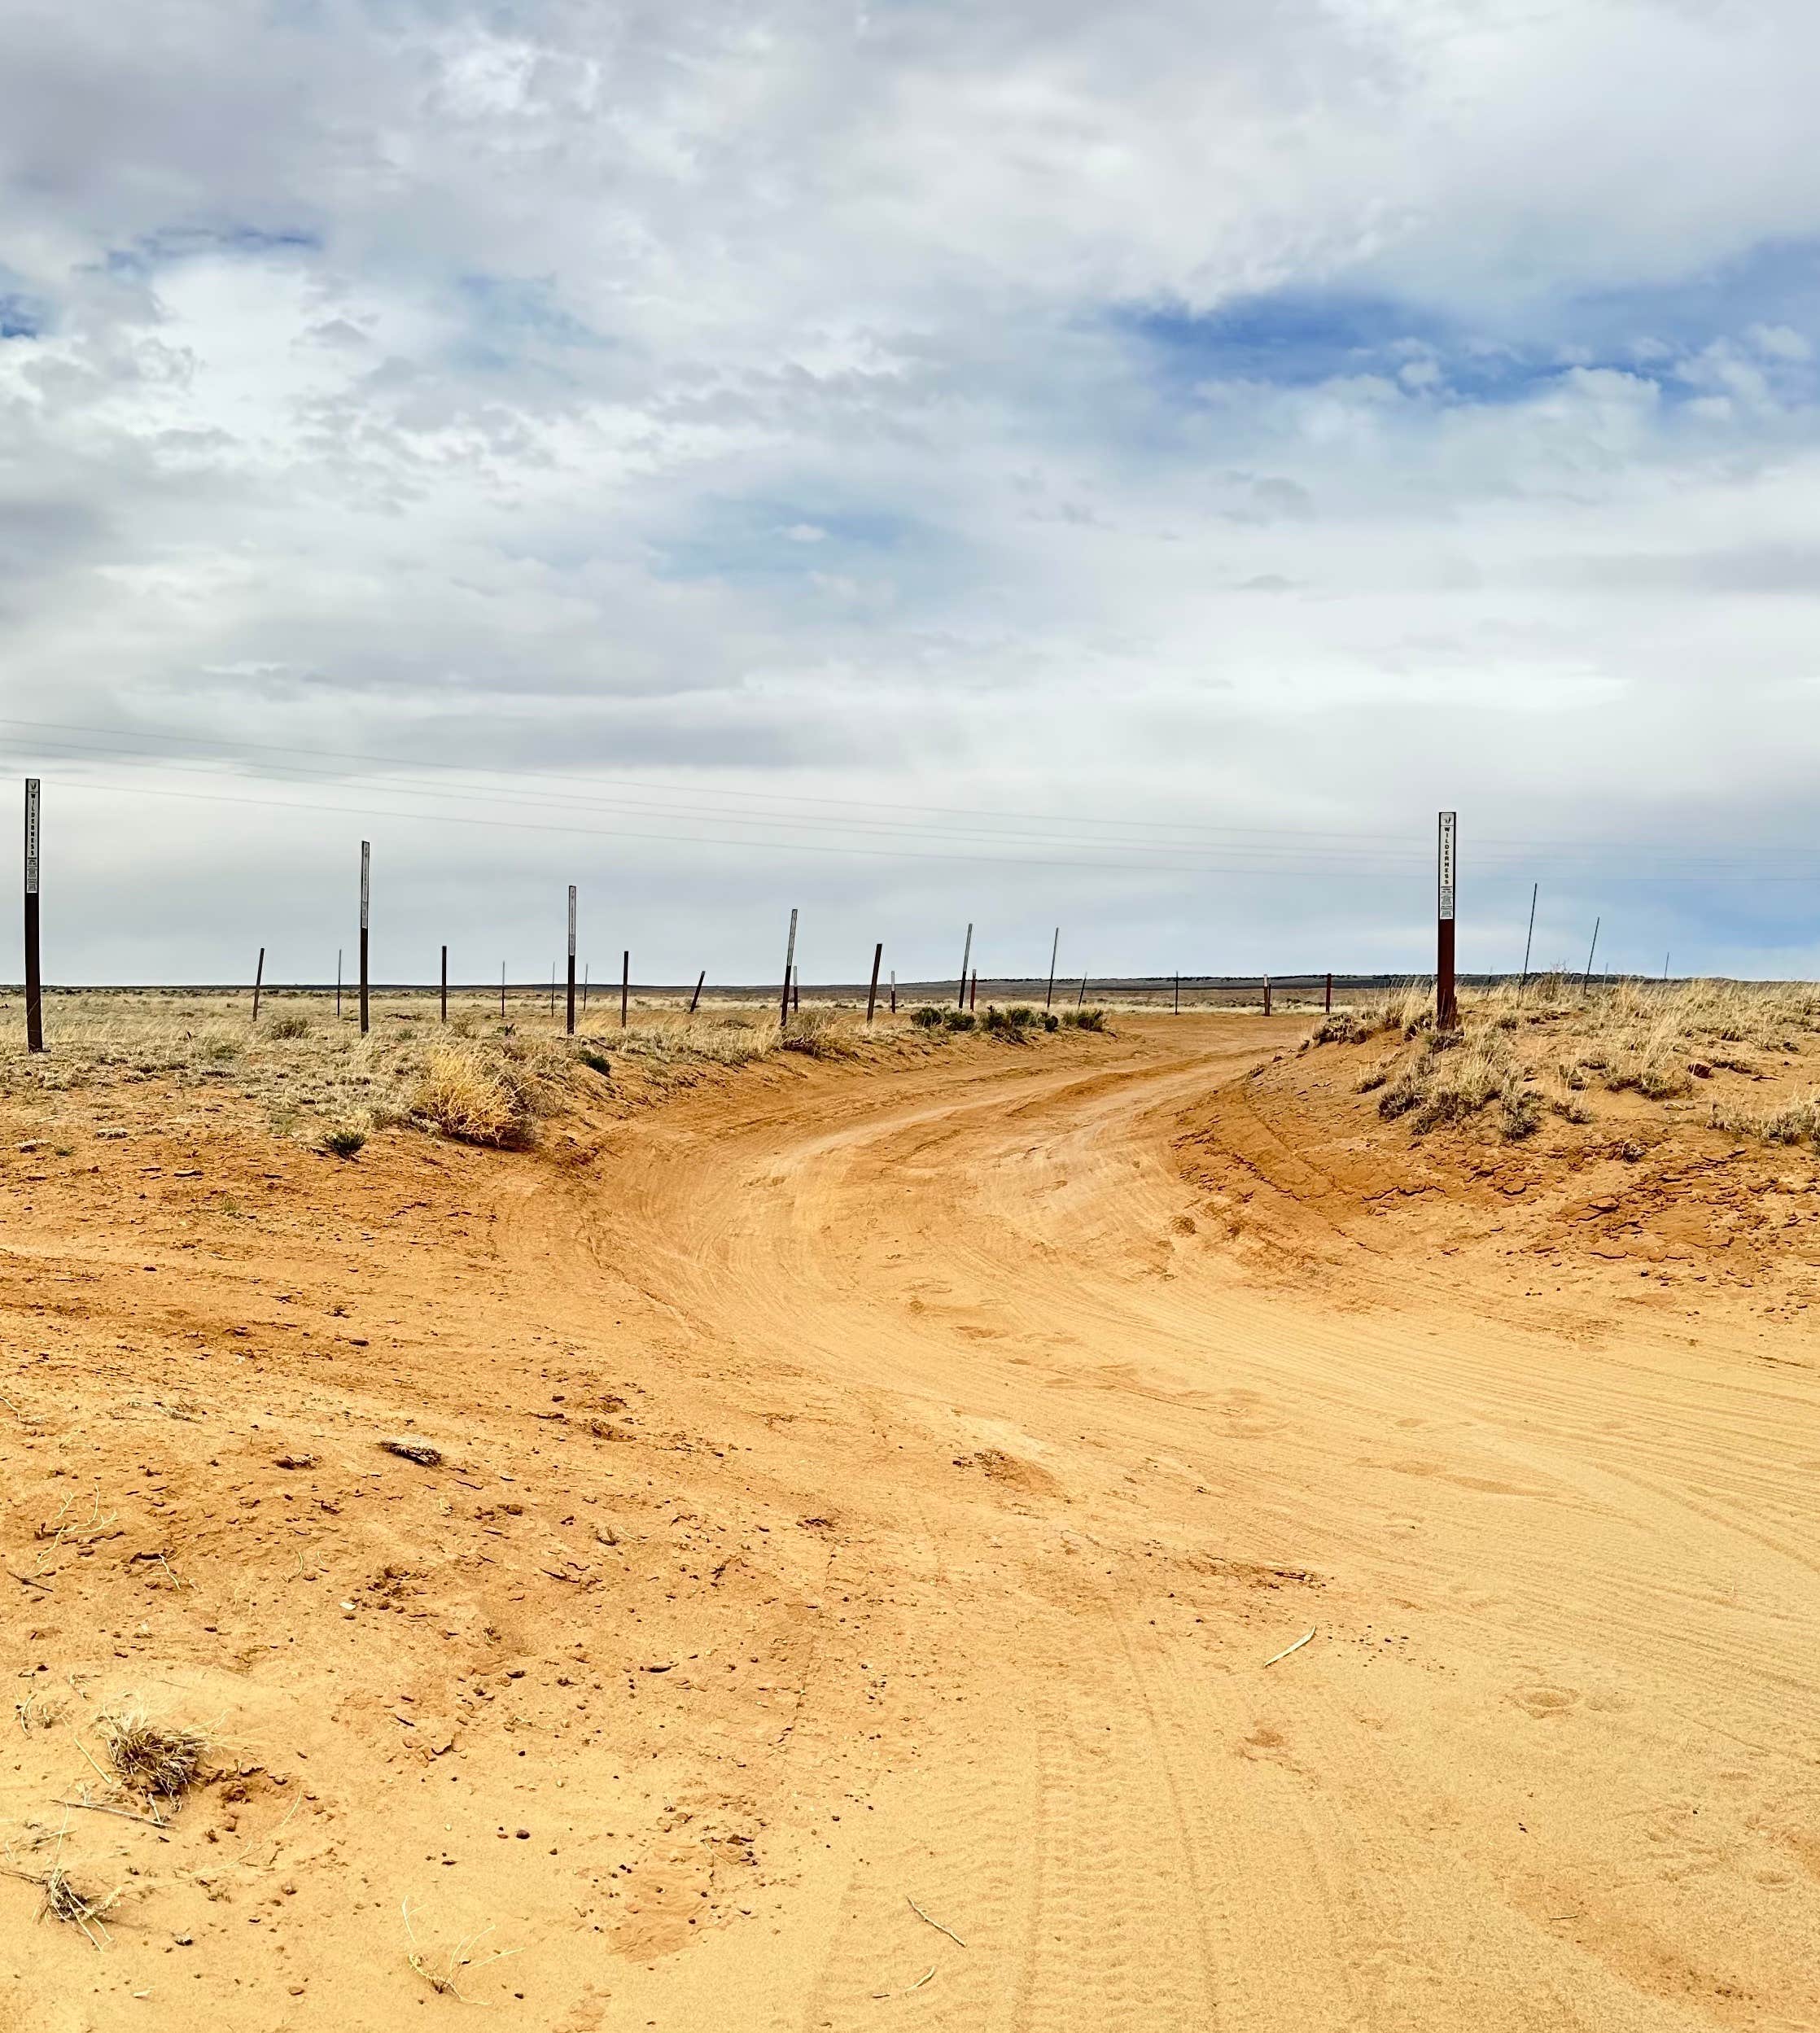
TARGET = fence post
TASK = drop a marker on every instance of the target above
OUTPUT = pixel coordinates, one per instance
(502, 992)
(1055, 947)
(1082, 997)
(871, 992)
(625, 987)
(1586, 981)
(1178, 1009)
(1327, 999)
(34, 979)
(258, 982)
(697, 997)
(366, 900)
(1267, 994)
(444, 1015)
(894, 992)
(973, 991)
(570, 1007)
(796, 991)
(1446, 1005)
(338, 983)
(966, 961)
(1535, 891)
(789, 969)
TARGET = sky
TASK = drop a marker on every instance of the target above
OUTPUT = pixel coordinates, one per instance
(1034, 464)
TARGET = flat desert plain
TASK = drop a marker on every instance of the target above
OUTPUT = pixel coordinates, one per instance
(1109, 1532)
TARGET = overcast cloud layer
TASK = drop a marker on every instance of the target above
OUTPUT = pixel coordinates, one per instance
(1028, 462)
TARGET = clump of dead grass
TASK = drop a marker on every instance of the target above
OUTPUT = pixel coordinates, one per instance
(817, 1034)
(468, 1095)
(163, 1761)
(1794, 1123)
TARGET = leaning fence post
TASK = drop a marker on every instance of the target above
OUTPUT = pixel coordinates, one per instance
(258, 982)
(696, 998)
(871, 992)
(966, 961)
(789, 969)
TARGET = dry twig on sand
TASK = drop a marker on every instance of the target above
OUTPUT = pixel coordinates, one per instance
(936, 1924)
(1288, 1649)
(442, 1980)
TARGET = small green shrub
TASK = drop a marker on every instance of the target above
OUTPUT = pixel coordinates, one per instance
(1088, 1019)
(1051, 1022)
(344, 1141)
(958, 1019)
(592, 1057)
(928, 1019)
(288, 1027)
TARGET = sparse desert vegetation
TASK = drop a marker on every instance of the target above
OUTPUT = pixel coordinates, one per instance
(1522, 1053)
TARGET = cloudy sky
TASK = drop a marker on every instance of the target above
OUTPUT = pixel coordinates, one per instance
(1029, 461)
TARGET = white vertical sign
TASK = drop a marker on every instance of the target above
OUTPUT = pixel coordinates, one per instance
(1444, 871)
(31, 835)
(571, 921)
(366, 880)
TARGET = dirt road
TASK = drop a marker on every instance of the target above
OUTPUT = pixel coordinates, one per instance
(974, 1479)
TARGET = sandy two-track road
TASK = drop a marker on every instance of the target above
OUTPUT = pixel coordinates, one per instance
(877, 1486)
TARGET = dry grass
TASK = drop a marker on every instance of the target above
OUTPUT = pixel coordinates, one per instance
(1539, 1049)
(468, 1095)
(152, 1758)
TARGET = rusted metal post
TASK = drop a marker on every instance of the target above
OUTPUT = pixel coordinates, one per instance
(871, 992)
(789, 970)
(1447, 1004)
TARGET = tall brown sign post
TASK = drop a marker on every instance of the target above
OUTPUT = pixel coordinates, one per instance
(34, 979)
(1446, 1004)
